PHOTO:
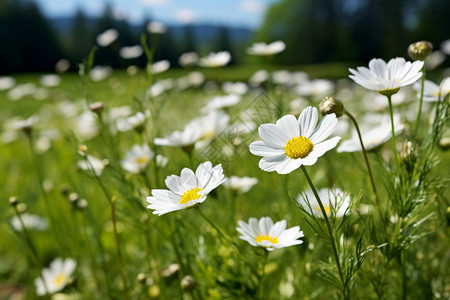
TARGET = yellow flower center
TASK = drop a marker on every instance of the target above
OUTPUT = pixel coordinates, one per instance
(59, 279)
(190, 195)
(389, 92)
(208, 135)
(142, 160)
(325, 207)
(265, 237)
(298, 147)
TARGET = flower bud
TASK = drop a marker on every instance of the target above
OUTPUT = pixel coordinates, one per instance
(141, 277)
(447, 212)
(97, 107)
(170, 271)
(21, 207)
(82, 204)
(444, 143)
(331, 105)
(73, 198)
(188, 283)
(420, 50)
(408, 155)
(13, 201)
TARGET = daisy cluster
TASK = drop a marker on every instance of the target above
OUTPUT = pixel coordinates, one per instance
(136, 175)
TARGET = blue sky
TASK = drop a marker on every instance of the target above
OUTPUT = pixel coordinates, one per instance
(248, 13)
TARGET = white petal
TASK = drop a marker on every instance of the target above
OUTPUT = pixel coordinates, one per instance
(324, 129)
(265, 224)
(260, 149)
(321, 148)
(188, 179)
(308, 121)
(289, 166)
(308, 161)
(273, 136)
(289, 126)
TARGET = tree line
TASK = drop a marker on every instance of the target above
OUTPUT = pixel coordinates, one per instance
(353, 30)
(313, 30)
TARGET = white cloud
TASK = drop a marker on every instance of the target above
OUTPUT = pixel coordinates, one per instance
(185, 15)
(252, 6)
(155, 2)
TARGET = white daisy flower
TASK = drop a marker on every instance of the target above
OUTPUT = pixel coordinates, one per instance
(291, 143)
(156, 27)
(185, 139)
(387, 78)
(161, 161)
(137, 159)
(56, 276)
(132, 122)
(434, 60)
(263, 49)
(240, 184)
(32, 222)
(187, 190)
(130, 52)
(211, 124)
(432, 91)
(50, 80)
(215, 60)
(27, 124)
(20, 91)
(220, 102)
(93, 164)
(373, 101)
(159, 66)
(107, 37)
(99, 73)
(258, 78)
(188, 59)
(372, 138)
(315, 88)
(335, 200)
(238, 88)
(264, 233)
(6, 82)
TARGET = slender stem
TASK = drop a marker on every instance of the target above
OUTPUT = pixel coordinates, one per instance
(394, 149)
(261, 274)
(112, 202)
(330, 232)
(366, 159)
(403, 269)
(40, 177)
(421, 101)
(202, 214)
(31, 246)
(119, 253)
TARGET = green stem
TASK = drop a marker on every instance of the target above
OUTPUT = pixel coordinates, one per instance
(421, 101)
(40, 177)
(202, 214)
(261, 275)
(119, 253)
(366, 159)
(32, 248)
(403, 269)
(394, 149)
(330, 232)
(112, 202)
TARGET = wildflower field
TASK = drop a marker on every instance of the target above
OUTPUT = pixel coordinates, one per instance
(216, 182)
